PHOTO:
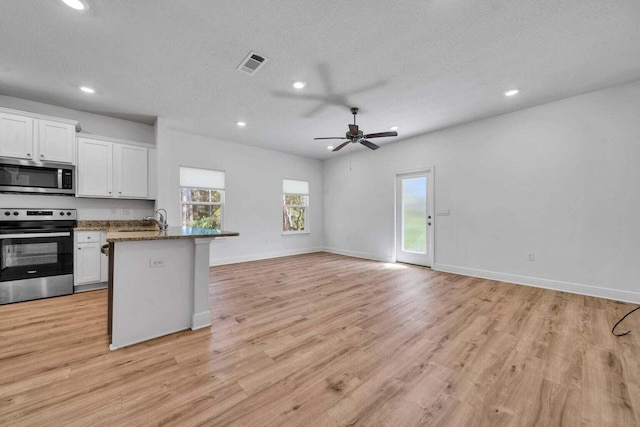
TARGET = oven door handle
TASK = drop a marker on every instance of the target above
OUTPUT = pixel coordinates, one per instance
(33, 235)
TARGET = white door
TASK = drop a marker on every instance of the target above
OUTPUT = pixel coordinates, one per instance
(87, 263)
(95, 168)
(414, 217)
(131, 170)
(16, 136)
(56, 141)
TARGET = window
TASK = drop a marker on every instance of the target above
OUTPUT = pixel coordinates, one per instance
(202, 198)
(295, 201)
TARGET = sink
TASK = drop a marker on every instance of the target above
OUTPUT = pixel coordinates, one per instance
(135, 230)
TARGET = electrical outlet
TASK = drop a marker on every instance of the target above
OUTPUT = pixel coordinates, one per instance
(125, 211)
(531, 256)
(156, 262)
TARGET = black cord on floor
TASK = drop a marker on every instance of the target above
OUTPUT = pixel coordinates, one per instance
(619, 321)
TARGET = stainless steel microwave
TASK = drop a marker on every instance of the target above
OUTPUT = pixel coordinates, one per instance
(26, 176)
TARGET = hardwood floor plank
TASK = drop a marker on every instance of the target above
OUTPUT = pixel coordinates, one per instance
(328, 340)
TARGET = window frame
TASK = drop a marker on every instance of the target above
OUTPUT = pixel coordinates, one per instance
(306, 212)
(221, 203)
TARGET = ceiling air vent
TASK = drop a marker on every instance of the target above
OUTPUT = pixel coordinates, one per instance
(252, 63)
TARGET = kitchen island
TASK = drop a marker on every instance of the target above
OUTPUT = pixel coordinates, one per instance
(158, 282)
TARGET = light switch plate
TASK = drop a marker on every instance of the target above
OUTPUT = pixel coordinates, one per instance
(156, 262)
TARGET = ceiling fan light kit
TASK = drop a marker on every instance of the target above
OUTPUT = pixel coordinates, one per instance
(355, 135)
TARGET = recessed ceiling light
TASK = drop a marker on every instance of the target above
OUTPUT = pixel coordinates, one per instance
(299, 85)
(87, 89)
(512, 92)
(330, 147)
(393, 128)
(241, 124)
(76, 4)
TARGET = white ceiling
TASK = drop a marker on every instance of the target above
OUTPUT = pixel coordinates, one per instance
(421, 65)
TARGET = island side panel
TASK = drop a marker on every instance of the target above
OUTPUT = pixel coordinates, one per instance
(201, 314)
(110, 287)
(152, 289)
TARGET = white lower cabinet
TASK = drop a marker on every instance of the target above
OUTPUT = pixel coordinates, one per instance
(89, 262)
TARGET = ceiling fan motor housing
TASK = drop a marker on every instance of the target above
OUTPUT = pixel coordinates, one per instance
(354, 137)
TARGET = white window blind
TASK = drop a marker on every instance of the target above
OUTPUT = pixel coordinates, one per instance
(201, 178)
(291, 186)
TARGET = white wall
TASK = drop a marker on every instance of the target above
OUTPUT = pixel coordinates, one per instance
(95, 124)
(253, 193)
(560, 180)
(98, 125)
(103, 209)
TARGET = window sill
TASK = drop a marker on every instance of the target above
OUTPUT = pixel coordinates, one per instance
(289, 233)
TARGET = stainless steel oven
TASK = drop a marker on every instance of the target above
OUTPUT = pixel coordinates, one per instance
(27, 176)
(36, 253)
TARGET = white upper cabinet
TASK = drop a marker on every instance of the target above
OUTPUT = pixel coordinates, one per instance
(131, 169)
(112, 169)
(56, 141)
(95, 168)
(16, 136)
(34, 137)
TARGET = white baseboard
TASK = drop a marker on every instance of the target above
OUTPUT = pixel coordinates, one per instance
(216, 260)
(200, 320)
(89, 287)
(556, 285)
(355, 254)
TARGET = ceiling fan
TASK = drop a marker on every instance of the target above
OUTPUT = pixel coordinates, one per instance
(355, 135)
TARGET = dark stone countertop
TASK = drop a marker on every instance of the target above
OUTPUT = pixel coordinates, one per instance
(170, 233)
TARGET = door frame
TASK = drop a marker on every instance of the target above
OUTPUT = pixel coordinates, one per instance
(431, 201)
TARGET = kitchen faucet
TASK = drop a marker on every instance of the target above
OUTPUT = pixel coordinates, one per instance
(161, 221)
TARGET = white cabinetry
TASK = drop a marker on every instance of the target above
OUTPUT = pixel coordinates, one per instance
(16, 136)
(56, 141)
(95, 168)
(112, 169)
(131, 168)
(88, 259)
(34, 137)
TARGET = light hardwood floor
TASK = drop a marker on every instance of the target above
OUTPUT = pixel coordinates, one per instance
(328, 340)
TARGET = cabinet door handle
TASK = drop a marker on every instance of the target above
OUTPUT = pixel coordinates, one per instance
(79, 249)
(28, 154)
(42, 155)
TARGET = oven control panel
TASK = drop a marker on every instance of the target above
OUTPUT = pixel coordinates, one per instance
(8, 214)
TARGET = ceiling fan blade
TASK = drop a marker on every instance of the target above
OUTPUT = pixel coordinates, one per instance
(353, 130)
(340, 146)
(333, 137)
(368, 144)
(381, 134)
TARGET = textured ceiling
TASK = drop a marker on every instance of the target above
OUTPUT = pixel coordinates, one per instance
(420, 65)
